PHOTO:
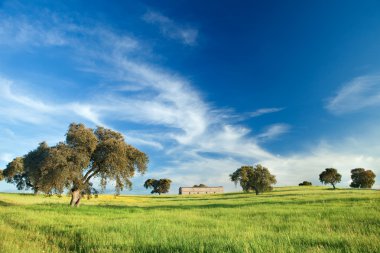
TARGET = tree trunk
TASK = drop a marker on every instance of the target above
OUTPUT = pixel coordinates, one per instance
(75, 198)
(256, 190)
(333, 186)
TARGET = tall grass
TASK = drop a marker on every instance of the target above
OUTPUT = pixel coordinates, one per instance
(292, 219)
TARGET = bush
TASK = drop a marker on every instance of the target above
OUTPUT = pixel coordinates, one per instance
(200, 185)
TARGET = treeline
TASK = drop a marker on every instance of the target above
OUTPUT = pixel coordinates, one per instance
(259, 179)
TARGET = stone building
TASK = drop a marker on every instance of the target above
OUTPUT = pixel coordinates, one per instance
(200, 190)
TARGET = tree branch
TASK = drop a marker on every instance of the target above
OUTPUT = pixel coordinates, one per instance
(87, 173)
(90, 176)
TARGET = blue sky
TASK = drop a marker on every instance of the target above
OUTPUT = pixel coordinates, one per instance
(202, 87)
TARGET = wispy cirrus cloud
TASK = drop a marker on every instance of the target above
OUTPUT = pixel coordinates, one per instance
(274, 130)
(172, 29)
(238, 117)
(263, 111)
(360, 93)
(16, 106)
(18, 32)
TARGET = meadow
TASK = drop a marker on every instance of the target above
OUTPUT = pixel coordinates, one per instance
(289, 219)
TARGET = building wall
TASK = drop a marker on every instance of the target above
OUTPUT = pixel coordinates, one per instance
(200, 190)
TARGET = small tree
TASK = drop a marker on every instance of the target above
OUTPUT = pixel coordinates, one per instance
(158, 186)
(200, 185)
(330, 176)
(256, 178)
(305, 183)
(362, 178)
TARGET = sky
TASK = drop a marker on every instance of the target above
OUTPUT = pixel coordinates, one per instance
(202, 87)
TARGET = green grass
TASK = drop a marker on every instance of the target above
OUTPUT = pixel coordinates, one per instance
(291, 219)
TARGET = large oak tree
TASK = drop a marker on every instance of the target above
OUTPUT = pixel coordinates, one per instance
(72, 164)
(256, 178)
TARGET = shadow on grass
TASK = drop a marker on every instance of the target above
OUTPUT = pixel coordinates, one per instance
(252, 196)
(243, 200)
(349, 201)
(3, 203)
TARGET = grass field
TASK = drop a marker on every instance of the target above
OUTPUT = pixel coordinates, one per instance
(291, 219)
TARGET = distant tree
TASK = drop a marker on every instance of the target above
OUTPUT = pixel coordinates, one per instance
(200, 185)
(305, 183)
(158, 186)
(256, 178)
(330, 176)
(362, 178)
(85, 154)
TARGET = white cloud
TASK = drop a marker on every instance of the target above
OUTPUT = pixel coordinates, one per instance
(273, 131)
(86, 111)
(360, 93)
(144, 142)
(6, 157)
(232, 141)
(263, 111)
(20, 30)
(171, 29)
(20, 107)
(5, 91)
(293, 169)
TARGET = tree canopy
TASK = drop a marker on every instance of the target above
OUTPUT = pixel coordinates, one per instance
(242, 176)
(330, 176)
(256, 178)
(362, 178)
(14, 173)
(72, 164)
(158, 186)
